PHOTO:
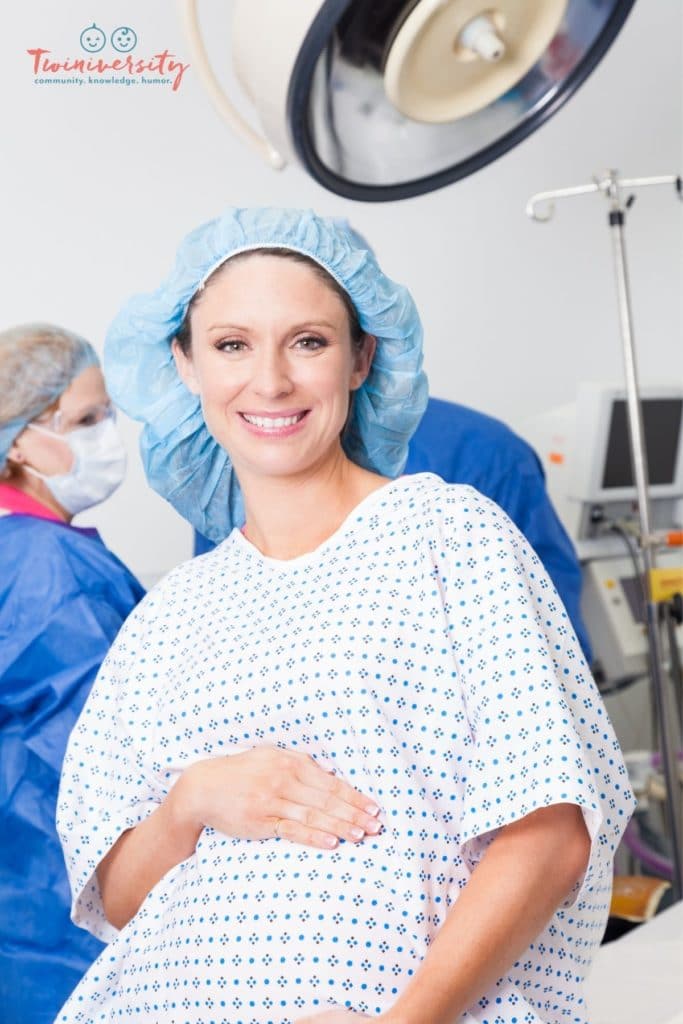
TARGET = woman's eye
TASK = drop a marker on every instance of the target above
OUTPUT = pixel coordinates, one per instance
(88, 420)
(230, 345)
(311, 344)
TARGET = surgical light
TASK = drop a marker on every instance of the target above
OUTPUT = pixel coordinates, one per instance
(387, 99)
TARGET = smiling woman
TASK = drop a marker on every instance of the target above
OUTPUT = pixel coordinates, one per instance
(275, 379)
(395, 631)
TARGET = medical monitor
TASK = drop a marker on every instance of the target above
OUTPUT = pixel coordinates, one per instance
(603, 470)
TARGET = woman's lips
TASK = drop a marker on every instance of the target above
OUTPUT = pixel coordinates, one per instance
(280, 424)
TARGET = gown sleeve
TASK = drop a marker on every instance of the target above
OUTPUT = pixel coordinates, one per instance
(539, 732)
(110, 782)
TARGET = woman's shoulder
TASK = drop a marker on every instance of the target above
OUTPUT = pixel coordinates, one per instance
(456, 513)
(190, 577)
(16, 525)
(172, 604)
(428, 492)
(37, 547)
(32, 548)
(51, 575)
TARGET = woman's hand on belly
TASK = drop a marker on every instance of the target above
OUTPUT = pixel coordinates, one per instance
(267, 792)
(257, 794)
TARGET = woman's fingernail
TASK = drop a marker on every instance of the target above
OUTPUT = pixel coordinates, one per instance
(356, 832)
(372, 809)
(331, 841)
(374, 826)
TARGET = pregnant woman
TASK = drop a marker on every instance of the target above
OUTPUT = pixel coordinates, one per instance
(398, 631)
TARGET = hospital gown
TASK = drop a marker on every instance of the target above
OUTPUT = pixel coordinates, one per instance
(465, 446)
(422, 653)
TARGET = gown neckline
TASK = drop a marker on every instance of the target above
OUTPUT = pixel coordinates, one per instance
(355, 516)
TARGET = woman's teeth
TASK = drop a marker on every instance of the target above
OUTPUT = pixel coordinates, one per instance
(272, 422)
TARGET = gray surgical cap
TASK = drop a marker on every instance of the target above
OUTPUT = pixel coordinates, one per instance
(38, 362)
(182, 460)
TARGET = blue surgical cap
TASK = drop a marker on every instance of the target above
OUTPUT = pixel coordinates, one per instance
(38, 362)
(183, 461)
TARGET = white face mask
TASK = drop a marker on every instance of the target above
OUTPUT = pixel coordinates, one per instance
(98, 469)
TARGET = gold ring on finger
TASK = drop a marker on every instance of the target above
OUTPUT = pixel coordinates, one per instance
(276, 830)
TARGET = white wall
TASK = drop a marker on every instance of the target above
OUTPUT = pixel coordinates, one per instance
(99, 183)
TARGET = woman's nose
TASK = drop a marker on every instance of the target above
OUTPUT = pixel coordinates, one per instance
(271, 375)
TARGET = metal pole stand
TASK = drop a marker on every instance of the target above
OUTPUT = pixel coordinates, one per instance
(611, 186)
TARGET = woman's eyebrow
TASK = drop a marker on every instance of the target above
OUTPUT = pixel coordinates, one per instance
(292, 329)
(227, 327)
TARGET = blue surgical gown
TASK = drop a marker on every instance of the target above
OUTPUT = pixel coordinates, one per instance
(63, 597)
(463, 446)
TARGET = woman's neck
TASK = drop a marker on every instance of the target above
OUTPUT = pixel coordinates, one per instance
(289, 517)
(35, 488)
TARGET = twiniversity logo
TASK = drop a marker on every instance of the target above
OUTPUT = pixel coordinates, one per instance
(120, 68)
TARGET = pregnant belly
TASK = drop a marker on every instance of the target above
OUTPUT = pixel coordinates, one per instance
(267, 932)
(264, 932)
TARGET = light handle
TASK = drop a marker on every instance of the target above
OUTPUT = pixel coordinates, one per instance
(200, 59)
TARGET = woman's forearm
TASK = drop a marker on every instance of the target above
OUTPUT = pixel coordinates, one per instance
(524, 875)
(143, 855)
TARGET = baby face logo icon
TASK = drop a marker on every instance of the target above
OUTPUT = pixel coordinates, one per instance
(123, 39)
(93, 39)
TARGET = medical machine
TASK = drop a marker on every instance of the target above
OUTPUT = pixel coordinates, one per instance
(585, 450)
(613, 607)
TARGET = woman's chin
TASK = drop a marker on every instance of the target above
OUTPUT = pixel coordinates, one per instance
(279, 463)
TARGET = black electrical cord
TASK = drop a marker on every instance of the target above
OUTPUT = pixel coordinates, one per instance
(616, 685)
(616, 527)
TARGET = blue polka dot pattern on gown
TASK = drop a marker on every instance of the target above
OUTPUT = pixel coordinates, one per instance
(423, 654)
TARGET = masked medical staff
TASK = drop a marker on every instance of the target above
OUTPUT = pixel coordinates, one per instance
(398, 629)
(63, 598)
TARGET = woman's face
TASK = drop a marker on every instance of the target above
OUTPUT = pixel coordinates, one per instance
(273, 363)
(79, 406)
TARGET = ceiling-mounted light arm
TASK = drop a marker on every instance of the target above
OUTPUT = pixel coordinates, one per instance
(608, 183)
(200, 59)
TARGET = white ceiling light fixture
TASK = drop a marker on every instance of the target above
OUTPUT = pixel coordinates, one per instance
(387, 99)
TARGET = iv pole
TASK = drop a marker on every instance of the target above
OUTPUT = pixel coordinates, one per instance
(611, 186)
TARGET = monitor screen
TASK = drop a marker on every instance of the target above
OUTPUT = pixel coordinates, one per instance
(662, 428)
